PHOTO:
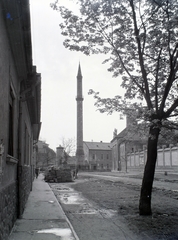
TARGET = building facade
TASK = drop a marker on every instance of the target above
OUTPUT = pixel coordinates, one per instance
(129, 149)
(98, 156)
(20, 109)
(45, 156)
(122, 144)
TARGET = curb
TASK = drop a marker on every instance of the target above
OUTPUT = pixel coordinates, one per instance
(67, 220)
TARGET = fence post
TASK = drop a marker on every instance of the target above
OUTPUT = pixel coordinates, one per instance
(163, 147)
(170, 146)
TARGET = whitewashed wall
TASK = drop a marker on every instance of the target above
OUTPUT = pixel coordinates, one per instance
(167, 157)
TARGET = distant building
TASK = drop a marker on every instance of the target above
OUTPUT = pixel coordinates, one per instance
(97, 155)
(64, 159)
(59, 155)
(46, 156)
(71, 161)
(129, 149)
(123, 143)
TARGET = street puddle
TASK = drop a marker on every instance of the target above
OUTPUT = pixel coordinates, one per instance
(71, 198)
(62, 188)
(64, 233)
(175, 190)
(87, 208)
(87, 211)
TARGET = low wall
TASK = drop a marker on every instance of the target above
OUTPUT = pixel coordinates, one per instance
(25, 186)
(166, 158)
(8, 209)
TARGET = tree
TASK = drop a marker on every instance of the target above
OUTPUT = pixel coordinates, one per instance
(139, 38)
(69, 147)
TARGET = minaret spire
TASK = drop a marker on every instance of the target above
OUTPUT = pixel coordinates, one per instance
(79, 99)
(79, 71)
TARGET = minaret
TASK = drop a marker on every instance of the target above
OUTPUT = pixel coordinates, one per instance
(79, 99)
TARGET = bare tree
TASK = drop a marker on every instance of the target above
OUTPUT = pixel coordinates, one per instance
(69, 147)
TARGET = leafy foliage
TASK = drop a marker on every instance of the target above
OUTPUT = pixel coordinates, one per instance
(139, 40)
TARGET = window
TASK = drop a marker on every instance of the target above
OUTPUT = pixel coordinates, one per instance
(93, 156)
(11, 128)
(107, 156)
(101, 156)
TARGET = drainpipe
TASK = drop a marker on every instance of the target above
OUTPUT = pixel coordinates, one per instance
(19, 167)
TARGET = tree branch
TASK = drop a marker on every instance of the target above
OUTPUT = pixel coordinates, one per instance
(156, 81)
(143, 24)
(144, 74)
(171, 77)
(110, 41)
(171, 109)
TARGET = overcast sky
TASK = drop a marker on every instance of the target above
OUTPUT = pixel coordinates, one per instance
(58, 67)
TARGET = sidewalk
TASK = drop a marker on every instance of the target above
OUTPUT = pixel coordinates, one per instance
(43, 218)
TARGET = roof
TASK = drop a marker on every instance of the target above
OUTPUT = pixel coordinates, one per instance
(79, 74)
(130, 134)
(98, 145)
(122, 134)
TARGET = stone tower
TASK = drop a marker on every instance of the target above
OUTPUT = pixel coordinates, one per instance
(59, 155)
(79, 99)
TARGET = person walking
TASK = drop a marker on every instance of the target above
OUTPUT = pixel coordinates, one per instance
(36, 172)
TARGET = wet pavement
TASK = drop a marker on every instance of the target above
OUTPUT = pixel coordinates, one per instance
(43, 218)
(68, 196)
(90, 220)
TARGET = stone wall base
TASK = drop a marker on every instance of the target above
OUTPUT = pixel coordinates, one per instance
(25, 186)
(8, 209)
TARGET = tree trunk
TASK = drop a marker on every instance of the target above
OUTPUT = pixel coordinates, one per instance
(148, 177)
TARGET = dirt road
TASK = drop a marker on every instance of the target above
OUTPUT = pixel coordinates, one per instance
(99, 208)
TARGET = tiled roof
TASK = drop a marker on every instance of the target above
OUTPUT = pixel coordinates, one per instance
(98, 145)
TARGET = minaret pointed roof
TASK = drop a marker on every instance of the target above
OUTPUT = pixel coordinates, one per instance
(79, 71)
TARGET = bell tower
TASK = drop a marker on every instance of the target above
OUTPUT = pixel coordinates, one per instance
(79, 99)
